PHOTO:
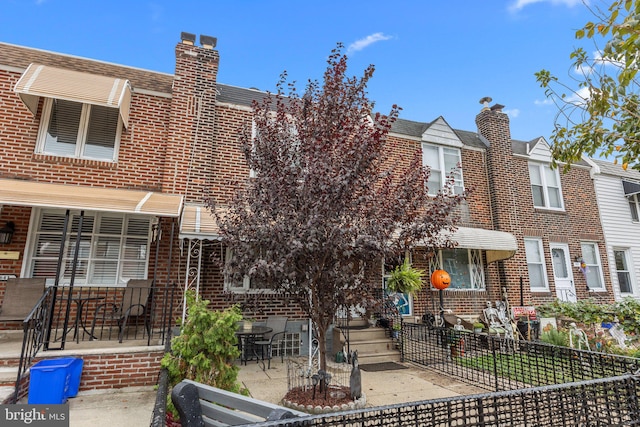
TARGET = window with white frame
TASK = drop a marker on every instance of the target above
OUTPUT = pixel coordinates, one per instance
(114, 247)
(444, 163)
(536, 265)
(622, 270)
(634, 207)
(545, 186)
(464, 266)
(593, 273)
(74, 129)
(286, 133)
(244, 285)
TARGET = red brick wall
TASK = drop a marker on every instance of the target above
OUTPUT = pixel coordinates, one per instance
(141, 150)
(109, 371)
(513, 211)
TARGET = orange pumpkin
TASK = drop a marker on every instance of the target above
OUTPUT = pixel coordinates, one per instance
(440, 279)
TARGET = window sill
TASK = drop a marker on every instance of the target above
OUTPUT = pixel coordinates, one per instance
(539, 209)
(241, 291)
(49, 158)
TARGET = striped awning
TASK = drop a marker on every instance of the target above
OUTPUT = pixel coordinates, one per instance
(498, 245)
(39, 194)
(198, 223)
(50, 82)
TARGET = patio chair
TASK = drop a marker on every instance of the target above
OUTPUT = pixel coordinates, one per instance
(20, 297)
(135, 302)
(275, 338)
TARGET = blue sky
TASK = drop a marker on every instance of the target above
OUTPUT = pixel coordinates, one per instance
(433, 58)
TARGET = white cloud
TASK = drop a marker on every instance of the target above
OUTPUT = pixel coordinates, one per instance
(512, 113)
(545, 101)
(521, 4)
(367, 41)
(579, 97)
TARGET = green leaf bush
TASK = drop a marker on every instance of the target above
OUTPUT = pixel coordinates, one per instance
(206, 349)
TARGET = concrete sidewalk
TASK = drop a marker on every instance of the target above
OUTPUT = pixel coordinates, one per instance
(134, 406)
(131, 406)
(380, 388)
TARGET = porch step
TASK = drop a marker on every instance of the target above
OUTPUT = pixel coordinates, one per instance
(372, 344)
(387, 356)
(6, 393)
(8, 376)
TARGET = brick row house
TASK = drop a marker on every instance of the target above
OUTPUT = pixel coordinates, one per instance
(134, 153)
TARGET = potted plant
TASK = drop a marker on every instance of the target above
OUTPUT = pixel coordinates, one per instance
(405, 279)
(478, 327)
(396, 330)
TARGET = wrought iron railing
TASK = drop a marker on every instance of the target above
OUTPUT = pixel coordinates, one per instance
(602, 402)
(505, 364)
(94, 313)
(33, 327)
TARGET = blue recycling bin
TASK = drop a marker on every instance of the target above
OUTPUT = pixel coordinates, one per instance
(53, 381)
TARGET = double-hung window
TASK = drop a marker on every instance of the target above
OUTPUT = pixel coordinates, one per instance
(622, 271)
(634, 206)
(444, 163)
(545, 186)
(113, 248)
(593, 273)
(535, 265)
(74, 129)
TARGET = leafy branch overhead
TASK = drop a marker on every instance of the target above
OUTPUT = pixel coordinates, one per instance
(598, 107)
(327, 202)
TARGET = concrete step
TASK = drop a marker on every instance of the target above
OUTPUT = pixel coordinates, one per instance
(368, 334)
(6, 393)
(8, 376)
(388, 356)
(372, 346)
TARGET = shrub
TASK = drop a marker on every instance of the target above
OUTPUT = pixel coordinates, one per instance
(555, 337)
(206, 349)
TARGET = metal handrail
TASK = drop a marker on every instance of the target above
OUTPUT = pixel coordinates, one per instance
(34, 327)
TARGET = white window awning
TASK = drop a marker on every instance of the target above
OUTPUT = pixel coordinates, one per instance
(498, 245)
(198, 223)
(50, 82)
(39, 194)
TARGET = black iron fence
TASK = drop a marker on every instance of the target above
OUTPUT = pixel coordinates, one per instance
(602, 402)
(504, 364)
(87, 313)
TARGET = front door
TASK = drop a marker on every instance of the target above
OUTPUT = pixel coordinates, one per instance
(562, 274)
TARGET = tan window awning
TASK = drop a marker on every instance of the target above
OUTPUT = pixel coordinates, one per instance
(198, 223)
(50, 82)
(498, 245)
(38, 194)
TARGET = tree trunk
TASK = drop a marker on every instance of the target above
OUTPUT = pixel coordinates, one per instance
(322, 347)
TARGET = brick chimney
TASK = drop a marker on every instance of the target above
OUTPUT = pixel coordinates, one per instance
(189, 154)
(493, 125)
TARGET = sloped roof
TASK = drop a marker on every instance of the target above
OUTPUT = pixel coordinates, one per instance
(21, 57)
(608, 168)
